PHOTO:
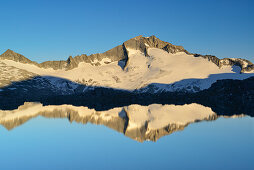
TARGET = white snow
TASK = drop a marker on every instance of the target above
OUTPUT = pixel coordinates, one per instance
(161, 67)
(245, 64)
(29, 67)
(105, 61)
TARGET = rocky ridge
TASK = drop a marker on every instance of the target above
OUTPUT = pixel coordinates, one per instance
(120, 53)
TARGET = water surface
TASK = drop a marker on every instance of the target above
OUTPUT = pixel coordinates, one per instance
(55, 143)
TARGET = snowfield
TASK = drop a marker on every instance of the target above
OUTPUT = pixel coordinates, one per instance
(161, 70)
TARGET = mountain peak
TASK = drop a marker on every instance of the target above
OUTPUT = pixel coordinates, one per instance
(142, 43)
(138, 37)
(11, 55)
(9, 52)
(143, 37)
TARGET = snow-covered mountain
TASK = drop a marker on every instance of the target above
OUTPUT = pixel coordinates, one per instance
(141, 64)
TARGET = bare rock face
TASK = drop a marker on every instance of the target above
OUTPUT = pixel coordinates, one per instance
(142, 43)
(116, 54)
(53, 64)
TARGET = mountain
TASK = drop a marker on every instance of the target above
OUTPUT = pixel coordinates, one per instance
(140, 67)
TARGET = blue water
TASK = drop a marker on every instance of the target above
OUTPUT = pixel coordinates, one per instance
(43, 143)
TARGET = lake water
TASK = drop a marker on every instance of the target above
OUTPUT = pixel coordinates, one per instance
(55, 143)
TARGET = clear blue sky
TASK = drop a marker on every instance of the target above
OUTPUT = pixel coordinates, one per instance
(53, 30)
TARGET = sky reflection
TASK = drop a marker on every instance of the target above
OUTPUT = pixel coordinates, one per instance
(57, 144)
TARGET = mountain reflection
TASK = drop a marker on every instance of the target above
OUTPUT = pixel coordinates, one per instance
(138, 122)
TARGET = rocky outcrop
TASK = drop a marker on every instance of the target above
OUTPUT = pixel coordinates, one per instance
(245, 65)
(143, 43)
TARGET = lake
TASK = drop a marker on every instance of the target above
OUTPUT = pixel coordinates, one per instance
(59, 142)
